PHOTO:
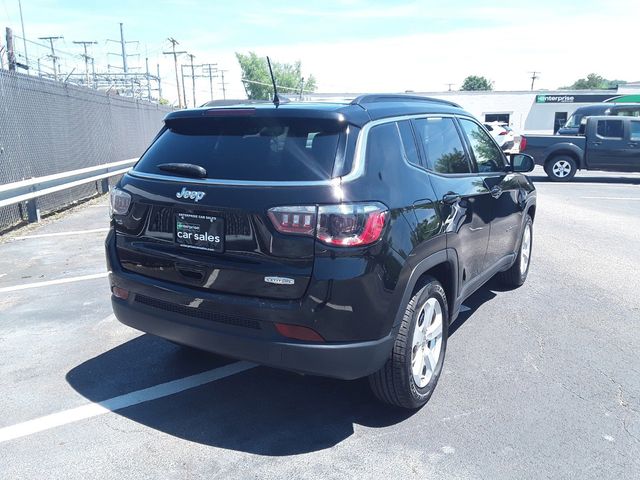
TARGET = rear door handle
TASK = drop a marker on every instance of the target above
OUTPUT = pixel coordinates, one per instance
(451, 198)
(633, 144)
(496, 192)
(596, 144)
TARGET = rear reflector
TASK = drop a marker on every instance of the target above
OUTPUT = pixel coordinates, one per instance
(120, 293)
(523, 143)
(298, 333)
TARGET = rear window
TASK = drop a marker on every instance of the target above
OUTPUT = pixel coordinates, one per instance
(256, 149)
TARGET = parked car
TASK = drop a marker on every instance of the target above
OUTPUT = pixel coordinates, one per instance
(610, 144)
(330, 239)
(576, 122)
(502, 133)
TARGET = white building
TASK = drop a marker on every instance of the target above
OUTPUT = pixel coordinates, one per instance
(527, 111)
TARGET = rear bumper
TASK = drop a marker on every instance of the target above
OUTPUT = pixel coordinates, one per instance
(242, 327)
(338, 360)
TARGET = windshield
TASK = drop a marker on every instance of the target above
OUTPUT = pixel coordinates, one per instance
(260, 149)
(574, 121)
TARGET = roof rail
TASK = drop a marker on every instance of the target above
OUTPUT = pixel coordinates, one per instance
(398, 97)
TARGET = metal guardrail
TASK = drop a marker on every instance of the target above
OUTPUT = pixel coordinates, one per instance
(30, 189)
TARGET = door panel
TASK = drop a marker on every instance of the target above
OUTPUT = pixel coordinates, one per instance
(607, 148)
(502, 207)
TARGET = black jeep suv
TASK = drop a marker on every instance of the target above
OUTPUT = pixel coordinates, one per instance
(337, 239)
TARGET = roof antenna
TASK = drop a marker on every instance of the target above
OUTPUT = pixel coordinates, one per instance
(276, 99)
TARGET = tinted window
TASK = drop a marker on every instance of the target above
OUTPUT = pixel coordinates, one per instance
(272, 149)
(409, 142)
(384, 146)
(497, 117)
(488, 156)
(610, 128)
(441, 145)
(635, 131)
(627, 112)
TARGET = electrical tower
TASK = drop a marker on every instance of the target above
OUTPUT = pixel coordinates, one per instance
(224, 87)
(210, 70)
(175, 54)
(124, 54)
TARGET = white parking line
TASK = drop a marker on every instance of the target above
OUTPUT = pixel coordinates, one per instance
(613, 198)
(59, 281)
(62, 234)
(123, 401)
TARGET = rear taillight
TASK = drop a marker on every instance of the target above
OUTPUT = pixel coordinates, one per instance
(350, 225)
(343, 225)
(504, 132)
(523, 143)
(119, 202)
(297, 220)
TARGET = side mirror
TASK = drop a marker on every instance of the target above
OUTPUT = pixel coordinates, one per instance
(521, 162)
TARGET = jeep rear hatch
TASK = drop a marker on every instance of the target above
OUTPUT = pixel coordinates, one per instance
(226, 230)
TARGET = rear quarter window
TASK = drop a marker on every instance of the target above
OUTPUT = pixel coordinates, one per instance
(252, 149)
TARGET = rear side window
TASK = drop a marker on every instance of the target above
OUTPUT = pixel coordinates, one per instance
(384, 145)
(255, 149)
(409, 142)
(610, 128)
(488, 156)
(635, 131)
(441, 145)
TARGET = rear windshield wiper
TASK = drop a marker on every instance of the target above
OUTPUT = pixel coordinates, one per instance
(185, 169)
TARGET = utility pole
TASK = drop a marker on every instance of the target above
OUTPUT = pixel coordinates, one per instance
(159, 83)
(193, 79)
(24, 38)
(125, 69)
(175, 54)
(449, 85)
(184, 89)
(224, 88)
(146, 61)
(534, 77)
(86, 57)
(209, 69)
(11, 54)
(53, 54)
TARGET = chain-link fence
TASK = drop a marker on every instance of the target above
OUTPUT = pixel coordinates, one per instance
(50, 127)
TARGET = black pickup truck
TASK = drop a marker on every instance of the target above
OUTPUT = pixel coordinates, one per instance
(609, 143)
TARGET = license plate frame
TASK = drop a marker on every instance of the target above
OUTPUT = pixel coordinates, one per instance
(200, 231)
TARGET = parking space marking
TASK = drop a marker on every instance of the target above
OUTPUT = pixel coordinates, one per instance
(613, 198)
(47, 283)
(73, 415)
(62, 234)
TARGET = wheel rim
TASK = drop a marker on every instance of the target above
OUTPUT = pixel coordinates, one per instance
(561, 168)
(525, 249)
(427, 342)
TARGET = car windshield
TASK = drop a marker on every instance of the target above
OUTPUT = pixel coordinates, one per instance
(574, 121)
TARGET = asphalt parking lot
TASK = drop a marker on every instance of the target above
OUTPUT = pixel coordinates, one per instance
(539, 382)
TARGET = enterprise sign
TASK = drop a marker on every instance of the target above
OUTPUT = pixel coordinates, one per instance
(574, 98)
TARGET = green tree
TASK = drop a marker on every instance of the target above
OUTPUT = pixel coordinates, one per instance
(257, 81)
(475, 82)
(593, 81)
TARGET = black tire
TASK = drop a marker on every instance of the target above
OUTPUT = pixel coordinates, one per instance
(394, 383)
(561, 168)
(515, 276)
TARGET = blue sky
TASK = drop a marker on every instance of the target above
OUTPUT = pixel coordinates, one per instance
(354, 45)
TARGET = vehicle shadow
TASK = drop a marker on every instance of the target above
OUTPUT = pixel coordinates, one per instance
(589, 179)
(262, 411)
